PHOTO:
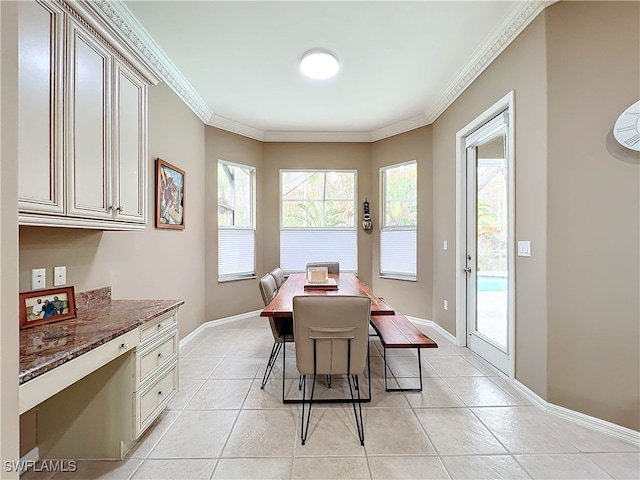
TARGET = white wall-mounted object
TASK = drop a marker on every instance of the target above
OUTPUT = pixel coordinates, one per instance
(445, 245)
(59, 276)
(524, 248)
(627, 127)
(38, 276)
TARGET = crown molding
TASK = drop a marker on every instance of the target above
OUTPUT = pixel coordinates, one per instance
(87, 16)
(234, 126)
(118, 16)
(400, 127)
(328, 136)
(479, 62)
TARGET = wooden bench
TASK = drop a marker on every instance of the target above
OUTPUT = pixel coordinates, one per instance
(395, 331)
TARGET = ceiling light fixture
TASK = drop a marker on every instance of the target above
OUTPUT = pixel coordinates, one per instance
(319, 64)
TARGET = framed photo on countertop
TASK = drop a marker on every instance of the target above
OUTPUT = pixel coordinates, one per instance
(47, 305)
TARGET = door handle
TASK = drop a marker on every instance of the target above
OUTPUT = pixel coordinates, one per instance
(467, 270)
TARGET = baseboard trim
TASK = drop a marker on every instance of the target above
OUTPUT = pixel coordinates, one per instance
(434, 325)
(216, 323)
(608, 428)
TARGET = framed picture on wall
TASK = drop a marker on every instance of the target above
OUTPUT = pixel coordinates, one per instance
(45, 306)
(170, 191)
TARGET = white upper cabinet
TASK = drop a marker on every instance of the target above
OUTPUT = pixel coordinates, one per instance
(130, 196)
(83, 125)
(40, 98)
(89, 148)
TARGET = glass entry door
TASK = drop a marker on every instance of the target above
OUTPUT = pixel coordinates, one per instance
(487, 258)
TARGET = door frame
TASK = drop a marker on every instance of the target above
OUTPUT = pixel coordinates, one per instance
(506, 102)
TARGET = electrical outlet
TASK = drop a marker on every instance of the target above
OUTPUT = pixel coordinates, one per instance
(37, 278)
(59, 276)
(445, 305)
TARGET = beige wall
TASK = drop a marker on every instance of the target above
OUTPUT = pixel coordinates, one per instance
(8, 237)
(521, 68)
(230, 298)
(577, 201)
(414, 298)
(594, 204)
(145, 264)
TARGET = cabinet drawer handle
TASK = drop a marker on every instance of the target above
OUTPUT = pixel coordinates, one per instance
(124, 345)
(159, 326)
(161, 355)
(160, 393)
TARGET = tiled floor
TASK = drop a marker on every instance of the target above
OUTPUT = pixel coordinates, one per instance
(468, 423)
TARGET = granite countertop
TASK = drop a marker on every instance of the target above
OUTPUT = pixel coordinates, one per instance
(47, 346)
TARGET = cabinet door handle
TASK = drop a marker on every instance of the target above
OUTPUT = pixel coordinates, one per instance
(120, 209)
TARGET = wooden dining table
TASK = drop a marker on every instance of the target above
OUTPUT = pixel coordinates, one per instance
(348, 284)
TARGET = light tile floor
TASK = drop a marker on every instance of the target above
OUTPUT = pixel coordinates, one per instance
(467, 423)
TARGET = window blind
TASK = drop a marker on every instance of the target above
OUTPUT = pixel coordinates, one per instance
(301, 246)
(236, 253)
(398, 254)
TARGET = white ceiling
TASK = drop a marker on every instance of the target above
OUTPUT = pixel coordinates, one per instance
(401, 63)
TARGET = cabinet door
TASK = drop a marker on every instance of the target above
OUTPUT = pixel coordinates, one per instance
(40, 76)
(130, 145)
(88, 126)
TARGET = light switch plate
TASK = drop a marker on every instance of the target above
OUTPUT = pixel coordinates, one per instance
(524, 248)
(59, 276)
(445, 245)
(37, 278)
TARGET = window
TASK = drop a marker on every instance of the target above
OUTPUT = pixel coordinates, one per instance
(398, 243)
(318, 219)
(236, 234)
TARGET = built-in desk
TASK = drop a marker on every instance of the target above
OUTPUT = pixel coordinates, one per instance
(99, 380)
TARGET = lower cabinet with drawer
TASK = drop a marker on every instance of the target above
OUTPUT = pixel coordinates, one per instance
(154, 397)
(156, 370)
(113, 397)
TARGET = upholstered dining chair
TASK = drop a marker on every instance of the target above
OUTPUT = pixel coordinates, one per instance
(281, 328)
(278, 276)
(332, 338)
(333, 267)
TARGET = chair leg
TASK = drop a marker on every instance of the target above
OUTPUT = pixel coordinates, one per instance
(275, 350)
(357, 410)
(304, 429)
(284, 368)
